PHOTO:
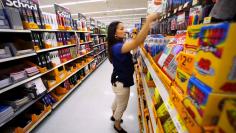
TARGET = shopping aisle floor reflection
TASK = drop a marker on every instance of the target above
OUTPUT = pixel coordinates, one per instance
(87, 109)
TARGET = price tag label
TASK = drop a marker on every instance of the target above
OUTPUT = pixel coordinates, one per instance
(195, 2)
(171, 104)
(177, 124)
(180, 7)
(181, 123)
(186, 4)
(186, 62)
(175, 11)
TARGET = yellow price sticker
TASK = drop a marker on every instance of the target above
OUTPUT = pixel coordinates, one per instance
(186, 62)
(171, 104)
(181, 123)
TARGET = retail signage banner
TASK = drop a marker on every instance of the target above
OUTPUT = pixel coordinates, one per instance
(63, 15)
(28, 9)
(81, 16)
(92, 21)
(99, 24)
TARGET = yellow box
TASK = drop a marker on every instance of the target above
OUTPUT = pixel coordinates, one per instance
(186, 62)
(203, 105)
(215, 61)
(192, 36)
(169, 126)
(182, 80)
(227, 122)
(177, 98)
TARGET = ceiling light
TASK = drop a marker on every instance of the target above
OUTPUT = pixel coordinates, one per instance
(73, 3)
(121, 15)
(118, 10)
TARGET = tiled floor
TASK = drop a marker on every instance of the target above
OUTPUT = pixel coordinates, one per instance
(87, 109)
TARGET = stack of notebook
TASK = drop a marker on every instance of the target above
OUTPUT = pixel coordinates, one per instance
(5, 53)
(32, 71)
(5, 112)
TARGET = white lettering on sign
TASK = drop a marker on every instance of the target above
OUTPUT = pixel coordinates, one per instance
(18, 4)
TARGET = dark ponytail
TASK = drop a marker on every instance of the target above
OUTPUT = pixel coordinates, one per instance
(111, 39)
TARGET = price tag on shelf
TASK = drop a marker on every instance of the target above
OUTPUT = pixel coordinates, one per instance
(186, 4)
(175, 11)
(180, 7)
(195, 2)
(177, 124)
(183, 127)
(171, 104)
(186, 62)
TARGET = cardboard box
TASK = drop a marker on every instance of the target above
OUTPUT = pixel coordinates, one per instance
(227, 122)
(182, 80)
(215, 61)
(203, 105)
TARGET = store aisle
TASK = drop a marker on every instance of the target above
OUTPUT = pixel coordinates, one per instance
(87, 109)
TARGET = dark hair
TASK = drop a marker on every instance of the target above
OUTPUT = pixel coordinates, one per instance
(111, 39)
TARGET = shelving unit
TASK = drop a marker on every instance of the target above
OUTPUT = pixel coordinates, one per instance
(45, 60)
(165, 96)
(149, 103)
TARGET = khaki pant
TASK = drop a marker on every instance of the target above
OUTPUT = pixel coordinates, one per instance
(121, 99)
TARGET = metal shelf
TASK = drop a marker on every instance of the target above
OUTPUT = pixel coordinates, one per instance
(86, 42)
(16, 57)
(98, 44)
(51, 30)
(69, 76)
(149, 101)
(19, 83)
(83, 32)
(14, 31)
(165, 96)
(100, 52)
(54, 48)
(23, 108)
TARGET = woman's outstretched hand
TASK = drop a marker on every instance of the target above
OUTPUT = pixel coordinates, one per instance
(153, 17)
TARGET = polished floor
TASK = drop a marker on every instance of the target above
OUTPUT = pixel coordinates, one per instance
(87, 109)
